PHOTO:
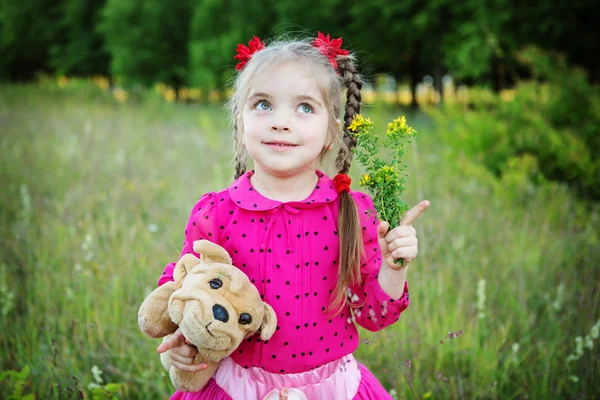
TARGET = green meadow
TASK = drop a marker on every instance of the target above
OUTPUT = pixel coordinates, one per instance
(95, 195)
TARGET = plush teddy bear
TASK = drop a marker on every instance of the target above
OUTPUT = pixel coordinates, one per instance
(213, 303)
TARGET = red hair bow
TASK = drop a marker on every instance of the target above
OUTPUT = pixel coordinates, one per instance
(342, 183)
(245, 53)
(329, 47)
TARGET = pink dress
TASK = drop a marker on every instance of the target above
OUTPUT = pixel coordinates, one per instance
(290, 251)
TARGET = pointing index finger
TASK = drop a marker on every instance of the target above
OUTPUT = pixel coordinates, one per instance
(411, 215)
(174, 341)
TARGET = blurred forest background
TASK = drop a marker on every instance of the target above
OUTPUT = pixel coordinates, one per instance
(112, 125)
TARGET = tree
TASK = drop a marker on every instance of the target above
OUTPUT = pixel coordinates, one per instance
(147, 40)
(404, 37)
(82, 53)
(27, 30)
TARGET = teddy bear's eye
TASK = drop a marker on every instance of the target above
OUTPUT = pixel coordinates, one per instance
(215, 284)
(245, 319)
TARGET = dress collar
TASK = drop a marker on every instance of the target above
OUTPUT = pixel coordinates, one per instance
(245, 196)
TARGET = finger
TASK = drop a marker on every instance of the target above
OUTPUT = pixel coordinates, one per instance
(181, 358)
(406, 253)
(190, 367)
(382, 229)
(400, 232)
(411, 215)
(174, 341)
(185, 351)
(403, 242)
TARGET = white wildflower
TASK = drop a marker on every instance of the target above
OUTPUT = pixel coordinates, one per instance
(97, 372)
(557, 304)
(481, 298)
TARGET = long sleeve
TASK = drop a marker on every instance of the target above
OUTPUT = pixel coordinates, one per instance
(377, 309)
(202, 224)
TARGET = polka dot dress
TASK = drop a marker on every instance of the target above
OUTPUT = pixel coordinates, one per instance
(290, 251)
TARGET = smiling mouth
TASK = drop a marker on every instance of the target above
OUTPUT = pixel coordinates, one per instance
(280, 144)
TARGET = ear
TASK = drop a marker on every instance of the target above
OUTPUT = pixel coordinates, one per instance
(153, 316)
(211, 252)
(269, 323)
(329, 145)
(183, 267)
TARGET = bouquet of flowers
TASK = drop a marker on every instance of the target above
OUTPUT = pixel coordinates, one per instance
(385, 180)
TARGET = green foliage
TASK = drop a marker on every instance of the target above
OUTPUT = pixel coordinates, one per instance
(27, 31)
(384, 179)
(100, 390)
(214, 36)
(83, 51)
(547, 130)
(17, 380)
(147, 40)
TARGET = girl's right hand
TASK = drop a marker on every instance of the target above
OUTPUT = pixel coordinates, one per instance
(182, 353)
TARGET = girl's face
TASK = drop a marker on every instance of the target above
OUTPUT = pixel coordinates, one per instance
(284, 121)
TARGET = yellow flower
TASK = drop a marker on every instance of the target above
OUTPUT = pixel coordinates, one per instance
(398, 125)
(120, 95)
(361, 124)
(170, 95)
(63, 81)
(365, 179)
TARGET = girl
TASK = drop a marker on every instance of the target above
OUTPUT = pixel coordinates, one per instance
(306, 241)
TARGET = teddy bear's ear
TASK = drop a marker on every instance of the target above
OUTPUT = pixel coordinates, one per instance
(269, 323)
(211, 252)
(183, 268)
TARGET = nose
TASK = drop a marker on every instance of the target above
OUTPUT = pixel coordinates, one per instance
(280, 122)
(220, 313)
(280, 128)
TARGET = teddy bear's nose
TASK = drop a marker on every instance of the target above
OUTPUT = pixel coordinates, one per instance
(220, 313)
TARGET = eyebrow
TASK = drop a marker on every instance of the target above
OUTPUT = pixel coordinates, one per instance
(301, 97)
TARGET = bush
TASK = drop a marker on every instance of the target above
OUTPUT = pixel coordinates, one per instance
(546, 128)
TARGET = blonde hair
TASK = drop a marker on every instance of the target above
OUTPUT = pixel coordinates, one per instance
(331, 84)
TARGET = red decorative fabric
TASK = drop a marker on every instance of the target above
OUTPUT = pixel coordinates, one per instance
(329, 47)
(342, 183)
(245, 53)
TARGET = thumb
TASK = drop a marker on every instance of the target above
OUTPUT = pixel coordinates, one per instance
(382, 229)
(174, 341)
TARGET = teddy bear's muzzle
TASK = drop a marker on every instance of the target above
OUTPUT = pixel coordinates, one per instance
(220, 313)
(212, 330)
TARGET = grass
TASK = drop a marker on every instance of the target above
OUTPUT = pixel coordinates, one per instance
(95, 196)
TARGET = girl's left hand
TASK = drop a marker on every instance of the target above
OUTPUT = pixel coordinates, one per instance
(401, 242)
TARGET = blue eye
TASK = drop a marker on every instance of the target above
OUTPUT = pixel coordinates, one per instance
(262, 106)
(305, 108)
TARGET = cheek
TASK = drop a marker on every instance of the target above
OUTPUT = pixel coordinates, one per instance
(319, 130)
(252, 121)
(251, 129)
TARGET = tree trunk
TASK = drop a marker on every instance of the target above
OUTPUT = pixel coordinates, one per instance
(414, 76)
(497, 74)
(439, 87)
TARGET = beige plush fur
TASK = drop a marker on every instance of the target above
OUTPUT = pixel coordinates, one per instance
(210, 301)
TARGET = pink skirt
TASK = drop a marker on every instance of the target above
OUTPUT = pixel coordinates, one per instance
(340, 379)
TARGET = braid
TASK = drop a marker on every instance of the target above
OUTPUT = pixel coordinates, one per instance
(240, 154)
(353, 84)
(350, 234)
